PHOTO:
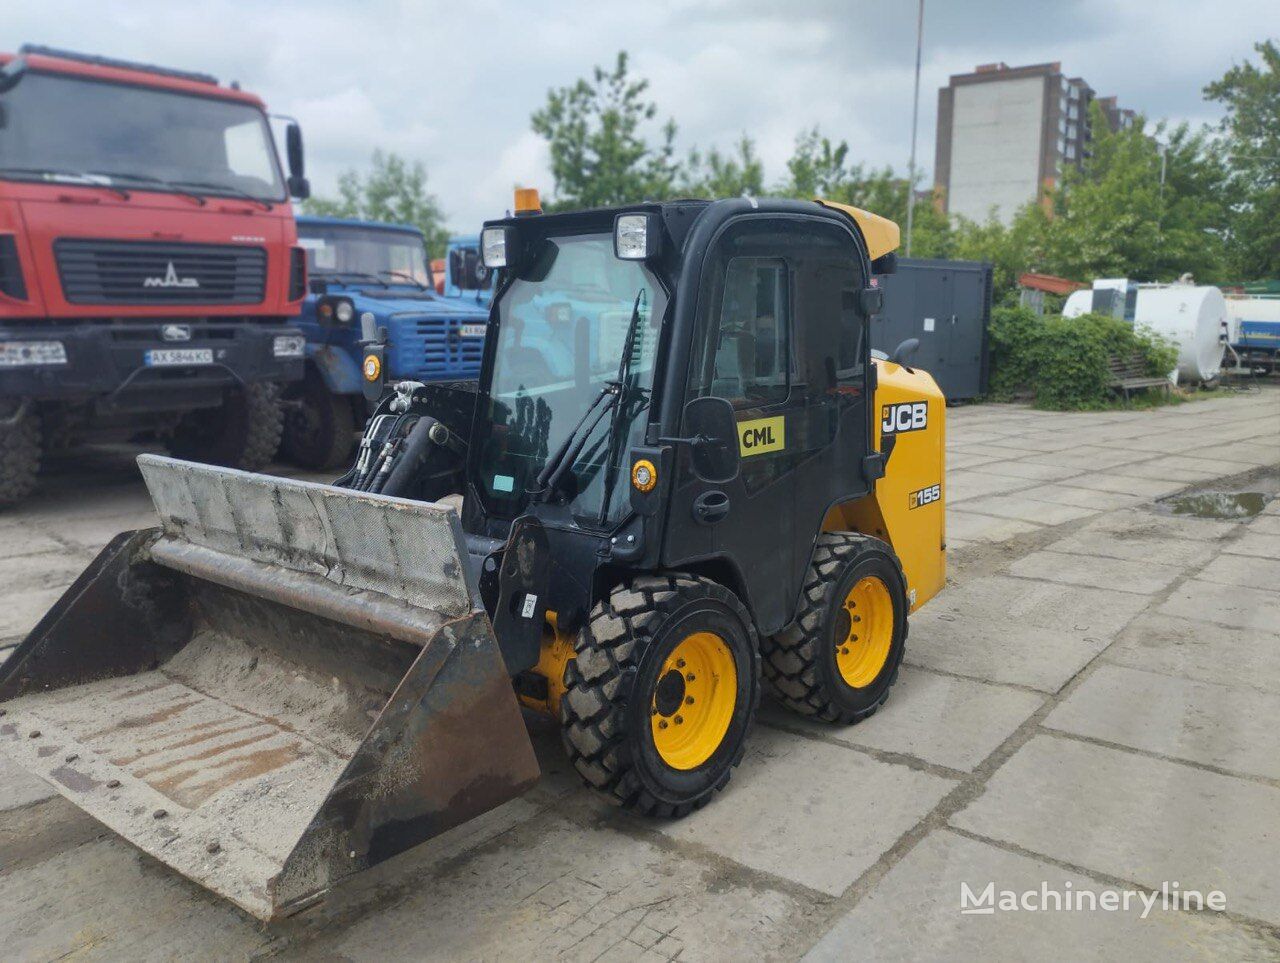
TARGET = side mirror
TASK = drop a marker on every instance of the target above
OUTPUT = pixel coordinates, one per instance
(903, 352)
(11, 73)
(714, 431)
(870, 301)
(299, 186)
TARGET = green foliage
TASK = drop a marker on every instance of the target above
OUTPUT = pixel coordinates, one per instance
(821, 168)
(716, 174)
(599, 156)
(394, 191)
(1063, 362)
(1251, 134)
(1114, 218)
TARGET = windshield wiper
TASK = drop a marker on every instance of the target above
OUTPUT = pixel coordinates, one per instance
(148, 179)
(349, 277)
(87, 177)
(624, 399)
(571, 447)
(408, 277)
(227, 188)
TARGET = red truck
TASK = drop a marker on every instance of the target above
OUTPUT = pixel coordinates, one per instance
(149, 265)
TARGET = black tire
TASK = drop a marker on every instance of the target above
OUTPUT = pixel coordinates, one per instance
(19, 453)
(612, 684)
(800, 663)
(243, 433)
(320, 431)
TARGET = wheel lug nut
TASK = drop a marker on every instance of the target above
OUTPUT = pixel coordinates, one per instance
(690, 676)
(662, 724)
(844, 650)
(688, 700)
(857, 618)
(679, 720)
(680, 663)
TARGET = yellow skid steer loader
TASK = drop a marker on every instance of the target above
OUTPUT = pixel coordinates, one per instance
(683, 476)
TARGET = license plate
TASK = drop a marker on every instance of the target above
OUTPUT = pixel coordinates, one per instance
(162, 357)
(472, 330)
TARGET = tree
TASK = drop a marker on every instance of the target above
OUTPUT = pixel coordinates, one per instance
(1251, 133)
(599, 156)
(1114, 217)
(820, 168)
(394, 191)
(716, 174)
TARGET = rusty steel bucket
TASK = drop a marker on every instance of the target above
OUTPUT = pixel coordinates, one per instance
(284, 684)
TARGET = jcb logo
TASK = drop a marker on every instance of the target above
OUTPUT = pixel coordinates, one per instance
(762, 435)
(925, 496)
(907, 416)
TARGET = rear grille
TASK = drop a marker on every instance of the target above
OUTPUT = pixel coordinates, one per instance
(147, 272)
(11, 282)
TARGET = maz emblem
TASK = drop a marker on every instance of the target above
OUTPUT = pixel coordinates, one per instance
(171, 280)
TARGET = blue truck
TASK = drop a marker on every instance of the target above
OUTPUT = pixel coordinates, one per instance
(465, 275)
(368, 275)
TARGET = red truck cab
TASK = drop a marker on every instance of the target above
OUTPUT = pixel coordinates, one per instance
(149, 267)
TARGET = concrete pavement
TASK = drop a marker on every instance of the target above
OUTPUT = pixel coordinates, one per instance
(1092, 705)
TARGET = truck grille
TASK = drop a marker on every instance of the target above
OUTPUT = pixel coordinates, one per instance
(433, 350)
(149, 272)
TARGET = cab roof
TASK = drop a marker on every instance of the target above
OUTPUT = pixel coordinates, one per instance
(94, 67)
(305, 220)
(880, 234)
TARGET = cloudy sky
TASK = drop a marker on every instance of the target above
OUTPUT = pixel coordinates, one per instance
(453, 84)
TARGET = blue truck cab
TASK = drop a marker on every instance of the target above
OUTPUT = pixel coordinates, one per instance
(465, 275)
(383, 272)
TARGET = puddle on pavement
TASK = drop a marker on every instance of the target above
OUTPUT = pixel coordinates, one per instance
(1215, 504)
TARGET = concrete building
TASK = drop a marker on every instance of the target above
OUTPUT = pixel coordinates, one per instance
(1005, 134)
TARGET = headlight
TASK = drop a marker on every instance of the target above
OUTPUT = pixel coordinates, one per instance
(335, 310)
(16, 354)
(635, 236)
(288, 346)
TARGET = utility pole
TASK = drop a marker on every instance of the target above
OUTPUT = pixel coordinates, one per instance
(915, 116)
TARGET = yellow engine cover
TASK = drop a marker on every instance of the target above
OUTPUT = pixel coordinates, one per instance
(908, 507)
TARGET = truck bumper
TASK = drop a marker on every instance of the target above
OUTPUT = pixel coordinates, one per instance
(109, 362)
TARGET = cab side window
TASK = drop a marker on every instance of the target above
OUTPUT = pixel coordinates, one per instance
(751, 360)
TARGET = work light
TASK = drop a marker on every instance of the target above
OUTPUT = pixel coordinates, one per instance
(635, 236)
(493, 246)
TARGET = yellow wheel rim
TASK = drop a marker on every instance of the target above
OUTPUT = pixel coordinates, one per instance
(864, 632)
(693, 700)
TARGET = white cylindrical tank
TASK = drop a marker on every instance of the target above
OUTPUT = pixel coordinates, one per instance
(1078, 303)
(1190, 316)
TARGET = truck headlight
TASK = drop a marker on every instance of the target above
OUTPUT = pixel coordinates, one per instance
(17, 354)
(288, 345)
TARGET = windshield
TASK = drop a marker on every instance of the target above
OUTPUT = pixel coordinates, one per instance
(362, 254)
(64, 128)
(563, 324)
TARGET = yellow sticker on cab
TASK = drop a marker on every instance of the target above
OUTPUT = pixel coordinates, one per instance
(762, 435)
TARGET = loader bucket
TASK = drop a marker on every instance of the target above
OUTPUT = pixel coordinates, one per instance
(284, 684)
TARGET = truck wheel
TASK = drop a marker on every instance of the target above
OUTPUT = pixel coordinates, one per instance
(243, 433)
(840, 657)
(319, 432)
(660, 695)
(19, 453)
